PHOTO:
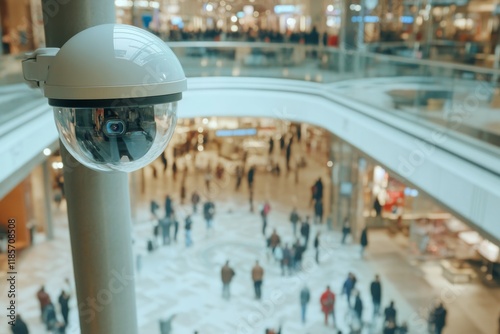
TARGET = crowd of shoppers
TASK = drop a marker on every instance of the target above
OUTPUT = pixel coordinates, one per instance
(54, 323)
(313, 37)
(288, 256)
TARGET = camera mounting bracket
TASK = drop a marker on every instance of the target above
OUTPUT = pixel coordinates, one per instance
(36, 66)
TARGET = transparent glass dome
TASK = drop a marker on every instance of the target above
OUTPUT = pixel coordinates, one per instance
(116, 138)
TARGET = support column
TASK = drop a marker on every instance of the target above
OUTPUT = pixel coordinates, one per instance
(348, 175)
(48, 196)
(343, 182)
(98, 205)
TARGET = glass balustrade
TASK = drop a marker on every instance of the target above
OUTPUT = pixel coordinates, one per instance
(461, 98)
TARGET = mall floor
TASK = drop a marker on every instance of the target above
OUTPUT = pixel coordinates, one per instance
(186, 281)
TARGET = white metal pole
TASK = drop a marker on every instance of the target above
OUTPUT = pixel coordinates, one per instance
(98, 204)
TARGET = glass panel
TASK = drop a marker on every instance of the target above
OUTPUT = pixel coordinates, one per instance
(461, 98)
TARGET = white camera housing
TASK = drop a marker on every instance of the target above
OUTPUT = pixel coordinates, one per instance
(114, 89)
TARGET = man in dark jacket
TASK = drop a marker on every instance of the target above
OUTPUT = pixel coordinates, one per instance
(439, 318)
(208, 213)
(63, 302)
(297, 251)
(358, 307)
(168, 206)
(390, 313)
(287, 260)
(376, 291)
(318, 212)
(304, 231)
(348, 287)
(294, 219)
(316, 247)
(318, 190)
(364, 240)
(19, 326)
(250, 177)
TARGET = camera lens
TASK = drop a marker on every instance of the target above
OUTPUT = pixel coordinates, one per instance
(116, 138)
(115, 128)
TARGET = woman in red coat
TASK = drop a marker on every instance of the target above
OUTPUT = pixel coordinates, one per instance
(327, 301)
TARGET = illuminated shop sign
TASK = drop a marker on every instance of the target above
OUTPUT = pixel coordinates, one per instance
(368, 19)
(286, 9)
(376, 19)
(236, 132)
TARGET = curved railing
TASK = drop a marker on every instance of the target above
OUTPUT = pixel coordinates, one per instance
(461, 98)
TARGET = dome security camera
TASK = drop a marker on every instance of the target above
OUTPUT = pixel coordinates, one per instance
(114, 89)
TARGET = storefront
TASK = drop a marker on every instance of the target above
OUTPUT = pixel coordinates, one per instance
(429, 232)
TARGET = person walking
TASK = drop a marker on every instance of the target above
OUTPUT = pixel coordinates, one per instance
(227, 273)
(266, 208)
(153, 207)
(318, 212)
(271, 146)
(318, 187)
(63, 302)
(174, 170)
(187, 227)
(274, 241)
(168, 206)
(348, 287)
(358, 308)
(298, 251)
(250, 178)
(294, 219)
(49, 317)
(19, 326)
(195, 199)
(239, 176)
(346, 229)
(305, 230)
(164, 162)
(43, 299)
(257, 276)
(439, 316)
(166, 324)
(305, 296)
(316, 247)
(378, 207)
(175, 222)
(208, 213)
(390, 313)
(376, 291)
(327, 301)
(165, 230)
(287, 260)
(364, 240)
